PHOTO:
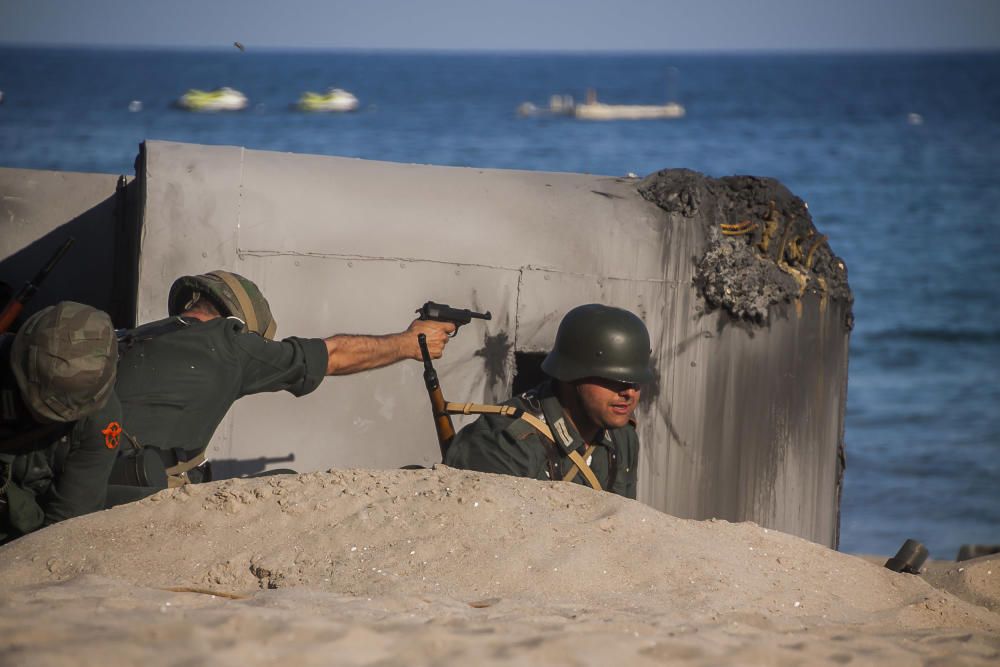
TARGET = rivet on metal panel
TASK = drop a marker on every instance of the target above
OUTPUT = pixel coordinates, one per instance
(547, 276)
(298, 263)
(204, 255)
(402, 265)
(350, 264)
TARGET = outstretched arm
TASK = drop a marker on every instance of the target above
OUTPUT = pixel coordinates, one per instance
(348, 354)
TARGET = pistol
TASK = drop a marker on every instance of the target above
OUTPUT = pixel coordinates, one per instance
(442, 312)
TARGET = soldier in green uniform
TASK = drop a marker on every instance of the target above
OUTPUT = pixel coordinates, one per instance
(578, 425)
(179, 376)
(59, 418)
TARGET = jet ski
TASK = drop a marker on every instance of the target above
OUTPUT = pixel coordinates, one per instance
(335, 99)
(221, 99)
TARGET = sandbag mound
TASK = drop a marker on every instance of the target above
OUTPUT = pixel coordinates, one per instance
(468, 536)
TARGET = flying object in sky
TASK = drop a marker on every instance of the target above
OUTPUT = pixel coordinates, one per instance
(239, 45)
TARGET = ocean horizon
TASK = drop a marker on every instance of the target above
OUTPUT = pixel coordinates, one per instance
(897, 155)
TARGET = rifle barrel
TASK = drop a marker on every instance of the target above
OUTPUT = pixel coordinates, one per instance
(47, 269)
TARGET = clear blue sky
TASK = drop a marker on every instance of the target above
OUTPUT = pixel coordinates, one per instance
(580, 25)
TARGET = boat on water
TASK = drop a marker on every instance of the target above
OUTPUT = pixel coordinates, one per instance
(559, 105)
(221, 99)
(334, 99)
(591, 109)
(594, 110)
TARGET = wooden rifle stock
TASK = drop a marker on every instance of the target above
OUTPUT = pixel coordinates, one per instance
(442, 420)
(10, 313)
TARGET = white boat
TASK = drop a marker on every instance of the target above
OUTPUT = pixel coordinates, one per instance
(334, 99)
(221, 99)
(559, 105)
(594, 110)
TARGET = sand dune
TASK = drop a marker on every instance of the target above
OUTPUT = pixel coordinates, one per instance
(446, 567)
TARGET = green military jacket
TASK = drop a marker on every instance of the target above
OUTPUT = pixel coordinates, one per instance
(59, 471)
(510, 446)
(178, 377)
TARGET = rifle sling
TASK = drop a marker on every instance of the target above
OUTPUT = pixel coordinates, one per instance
(579, 462)
(177, 474)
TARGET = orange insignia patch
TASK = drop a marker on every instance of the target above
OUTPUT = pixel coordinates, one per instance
(112, 434)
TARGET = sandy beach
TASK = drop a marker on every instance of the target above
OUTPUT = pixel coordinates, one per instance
(445, 567)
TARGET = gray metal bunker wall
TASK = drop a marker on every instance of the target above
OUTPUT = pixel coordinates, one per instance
(745, 420)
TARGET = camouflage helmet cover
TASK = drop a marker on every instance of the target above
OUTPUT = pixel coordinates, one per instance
(231, 293)
(600, 341)
(64, 360)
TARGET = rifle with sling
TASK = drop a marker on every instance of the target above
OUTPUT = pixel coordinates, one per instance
(442, 312)
(442, 420)
(16, 305)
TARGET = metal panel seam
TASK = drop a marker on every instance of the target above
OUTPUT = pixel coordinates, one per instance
(517, 316)
(242, 253)
(239, 199)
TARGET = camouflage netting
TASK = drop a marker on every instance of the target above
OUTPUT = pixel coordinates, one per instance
(763, 247)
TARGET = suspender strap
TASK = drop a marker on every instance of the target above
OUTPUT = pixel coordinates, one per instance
(579, 462)
(177, 474)
(574, 469)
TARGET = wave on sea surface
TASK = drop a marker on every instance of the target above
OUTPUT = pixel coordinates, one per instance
(937, 335)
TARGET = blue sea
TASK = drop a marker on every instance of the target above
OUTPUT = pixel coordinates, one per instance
(898, 157)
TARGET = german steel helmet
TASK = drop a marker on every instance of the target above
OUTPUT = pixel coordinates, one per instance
(231, 293)
(64, 360)
(600, 341)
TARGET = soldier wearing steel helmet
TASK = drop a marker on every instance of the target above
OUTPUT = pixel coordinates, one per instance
(578, 425)
(60, 421)
(179, 376)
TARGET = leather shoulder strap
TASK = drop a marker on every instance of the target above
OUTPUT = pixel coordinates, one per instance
(579, 462)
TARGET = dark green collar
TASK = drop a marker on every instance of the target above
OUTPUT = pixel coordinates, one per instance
(563, 430)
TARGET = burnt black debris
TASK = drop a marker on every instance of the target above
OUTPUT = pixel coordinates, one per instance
(763, 247)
